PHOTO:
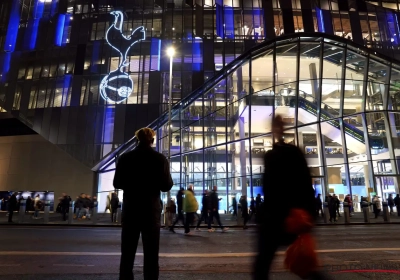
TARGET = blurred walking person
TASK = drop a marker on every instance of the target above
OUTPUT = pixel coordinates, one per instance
(283, 161)
(245, 210)
(190, 207)
(179, 201)
(205, 210)
(214, 210)
(142, 174)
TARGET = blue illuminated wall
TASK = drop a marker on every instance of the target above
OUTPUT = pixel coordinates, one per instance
(155, 54)
(197, 56)
(62, 25)
(5, 59)
(12, 28)
(225, 23)
(33, 26)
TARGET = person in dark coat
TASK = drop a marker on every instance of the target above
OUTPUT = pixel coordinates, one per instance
(205, 210)
(215, 210)
(283, 161)
(12, 204)
(114, 207)
(65, 205)
(245, 211)
(179, 202)
(396, 201)
(28, 204)
(142, 174)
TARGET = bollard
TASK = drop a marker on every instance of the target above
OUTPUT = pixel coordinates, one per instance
(119, 212)
(365, 210)
(346, 212)
(46, 213)
(326, 213)
(386, 213)
(22, 208)
(71, 212)
(94, 214)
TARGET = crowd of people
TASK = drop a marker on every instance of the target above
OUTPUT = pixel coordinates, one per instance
(143, 166)
(83, 206)
(12, 204)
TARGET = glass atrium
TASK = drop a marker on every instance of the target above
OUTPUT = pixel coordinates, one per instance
(340, 103)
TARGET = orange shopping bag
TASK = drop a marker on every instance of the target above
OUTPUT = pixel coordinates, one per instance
(301, 258)
(299, 221)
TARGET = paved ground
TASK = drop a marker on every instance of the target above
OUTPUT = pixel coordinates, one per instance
(356, 252)
(228, 220)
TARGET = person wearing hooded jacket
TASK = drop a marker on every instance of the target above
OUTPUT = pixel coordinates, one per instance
(190, 207)
(142, 174)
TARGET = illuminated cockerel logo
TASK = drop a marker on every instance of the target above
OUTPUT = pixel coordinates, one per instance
(117, 85)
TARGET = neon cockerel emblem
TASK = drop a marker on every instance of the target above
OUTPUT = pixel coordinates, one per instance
(117, 85)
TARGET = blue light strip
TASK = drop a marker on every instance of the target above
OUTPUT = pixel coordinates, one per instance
(396, 29)
(59, 30)
(95, 57)
(220, 20)
(67, 22)
(320, 20)
(67, 84)
(5, 60)
(109, 125)
(196, 51)
(229, 22)
(12, 29)
(155, 51)
(54, 7)
(33, 26)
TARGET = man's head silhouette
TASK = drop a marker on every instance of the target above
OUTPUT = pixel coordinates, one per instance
(145, 136)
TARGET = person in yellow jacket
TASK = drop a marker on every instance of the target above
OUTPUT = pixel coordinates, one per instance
(190, 207)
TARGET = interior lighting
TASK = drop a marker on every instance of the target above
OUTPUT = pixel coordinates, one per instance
(171, 51)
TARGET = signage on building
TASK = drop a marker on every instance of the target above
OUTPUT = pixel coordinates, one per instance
(117, 85)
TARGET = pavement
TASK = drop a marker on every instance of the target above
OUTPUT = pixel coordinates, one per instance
(104, 219)
(54, 252)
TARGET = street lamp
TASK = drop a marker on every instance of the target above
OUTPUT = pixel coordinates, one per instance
(171, 53)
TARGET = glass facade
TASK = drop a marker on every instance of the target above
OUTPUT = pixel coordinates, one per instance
(328, 66)
(339, 104)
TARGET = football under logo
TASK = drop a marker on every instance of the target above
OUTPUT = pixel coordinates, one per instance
(117, 86)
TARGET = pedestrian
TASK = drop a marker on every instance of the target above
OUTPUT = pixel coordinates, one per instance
(114, 207)
(37, 205)
(28, 204)
(283, 161)
(190, 207)
(179, 202)
(142, 174)
(65, 206)
(12, 204)
(391, 203)
(245, 211)
(205, 210)
(396, 201)
(215, 210)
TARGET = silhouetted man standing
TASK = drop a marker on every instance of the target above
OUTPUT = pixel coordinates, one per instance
(288, 162)
(12, 204)
(141, 174)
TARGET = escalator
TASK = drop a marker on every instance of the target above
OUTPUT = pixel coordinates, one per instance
(331, 127)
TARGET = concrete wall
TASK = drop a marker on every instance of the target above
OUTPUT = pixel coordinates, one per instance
(31, 163)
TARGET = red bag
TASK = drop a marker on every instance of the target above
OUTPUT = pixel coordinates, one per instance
(299, 221)
(301, 258)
